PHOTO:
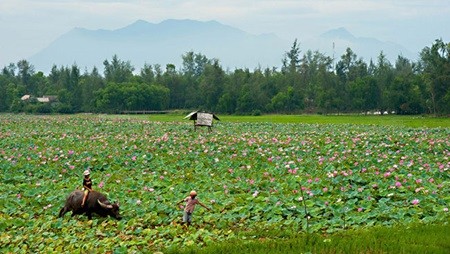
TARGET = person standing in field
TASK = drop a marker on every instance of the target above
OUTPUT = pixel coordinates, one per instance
(191, 201)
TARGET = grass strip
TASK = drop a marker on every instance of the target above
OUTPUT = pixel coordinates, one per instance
(399, 239)
(385, 120)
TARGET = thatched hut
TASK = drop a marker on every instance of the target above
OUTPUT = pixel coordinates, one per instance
(202, 119)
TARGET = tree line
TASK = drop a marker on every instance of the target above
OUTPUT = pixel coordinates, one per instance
(309, 82)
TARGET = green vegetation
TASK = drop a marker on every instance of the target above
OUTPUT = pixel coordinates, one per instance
(386, 120)
(418, 239)
(307, 83)
(265, 182)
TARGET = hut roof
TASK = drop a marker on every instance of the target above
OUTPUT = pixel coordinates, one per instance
(193, 115)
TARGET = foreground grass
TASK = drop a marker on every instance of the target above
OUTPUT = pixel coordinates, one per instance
(400, 239)
(386, 120)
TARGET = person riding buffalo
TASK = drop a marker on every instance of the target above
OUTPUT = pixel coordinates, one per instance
(87, 185)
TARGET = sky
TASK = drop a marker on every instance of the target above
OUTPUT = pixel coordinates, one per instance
(28, 26)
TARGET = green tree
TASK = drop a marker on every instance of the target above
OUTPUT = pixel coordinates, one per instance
(8, 80)
(211, 85)
(285, 101)
(147, 74)
(404, 94)
(232, 90)
(116, 97)
(118, 71)
(174, 83)
(291, 60)
(315, 70)
(90, 84)
(349, 69)
(110, 99)
(193, 67)
(40, 82)
(290, 69)
(435, 61)
(25, 72)
(384, 77)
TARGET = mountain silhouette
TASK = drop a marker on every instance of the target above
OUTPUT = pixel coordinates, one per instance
(164, 43)
(334, 43)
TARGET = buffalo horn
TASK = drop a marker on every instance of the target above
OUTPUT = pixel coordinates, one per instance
(104, 205)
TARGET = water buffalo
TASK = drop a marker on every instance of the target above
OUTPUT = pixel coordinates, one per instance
(95, 203)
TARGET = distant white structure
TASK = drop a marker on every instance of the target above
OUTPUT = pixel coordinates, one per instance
(43, 99)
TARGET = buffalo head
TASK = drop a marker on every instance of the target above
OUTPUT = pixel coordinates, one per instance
(112, 209)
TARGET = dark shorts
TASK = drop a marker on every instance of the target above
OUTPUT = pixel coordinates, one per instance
(187, 217)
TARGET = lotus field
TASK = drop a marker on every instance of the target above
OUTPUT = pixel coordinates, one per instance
(257, 178)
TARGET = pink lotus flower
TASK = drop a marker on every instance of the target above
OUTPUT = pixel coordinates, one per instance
(101, 184)
(398, 184)
(415, 201)
(165, 137)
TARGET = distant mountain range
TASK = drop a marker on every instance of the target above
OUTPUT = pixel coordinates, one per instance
(163, 43)
(367, 48)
